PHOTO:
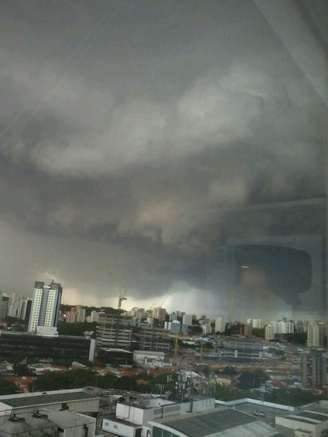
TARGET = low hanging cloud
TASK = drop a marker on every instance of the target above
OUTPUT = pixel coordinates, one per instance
(95, 136)
(132, 160)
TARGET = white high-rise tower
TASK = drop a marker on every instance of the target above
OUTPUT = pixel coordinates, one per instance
(45, 308)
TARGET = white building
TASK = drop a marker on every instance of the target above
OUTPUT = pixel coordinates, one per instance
(45, 306)
(174, 326)
(18, 306)
(94, 316)
(285, 327)
(133, 420)
(149, 359)
(316, 332)
(176, 315)
(77, 400)
(187, 319)
(162, 418)
(256, 323)
(281, 327)
(48, 422)
(159, 314)
(270, 331)
(219, 325)
(80, 314)
(72, 424)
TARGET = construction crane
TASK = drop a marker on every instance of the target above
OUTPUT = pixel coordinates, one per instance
(120, 300)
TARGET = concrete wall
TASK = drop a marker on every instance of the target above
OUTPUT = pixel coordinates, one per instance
(130, 413)
(118, 428)
(79, 431)
(288, 422)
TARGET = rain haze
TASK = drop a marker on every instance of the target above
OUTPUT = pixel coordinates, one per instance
(153, 147)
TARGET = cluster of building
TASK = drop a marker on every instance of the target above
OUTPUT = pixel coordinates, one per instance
(78, 314)
(64, 413)
(281, 327)
(118, 340)
(16, 306)
(91, 412)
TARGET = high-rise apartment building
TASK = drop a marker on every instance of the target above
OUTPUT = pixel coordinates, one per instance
(45, 307)
(220, 325)
(80, 314)
(270, 331)
(256, 323)
(117, 331)
(19, 307)
(4, 302)
(176, 315)
(113, 330)
(314, 365)
(187, 319)
(282, 327)
(94, 316)
(316, 334)
(159, 314)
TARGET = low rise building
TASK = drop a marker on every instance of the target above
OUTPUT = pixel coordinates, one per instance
(133, 419)
(76, 400)
(115, 357)
(16, 346)
(48, 423)
(219, 422)
(149, 359)
(114, 331)
(307, 423)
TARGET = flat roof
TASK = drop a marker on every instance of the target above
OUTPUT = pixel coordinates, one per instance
(113, 349)
(44, 399)
(263, 412)
(302, 420)
(32, 335)
(313, 415)
(124, 422)
(209, 423)
(68, 419)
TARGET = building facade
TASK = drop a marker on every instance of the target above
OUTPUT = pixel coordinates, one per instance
(18, 346)
(4, 304)
(45, 306)
(314, 368)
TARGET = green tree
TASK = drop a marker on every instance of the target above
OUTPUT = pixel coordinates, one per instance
(77, 329)
(248, 380)
(61, 380)
(228, 393)
(229, 371)
(258, 332)
(21, 369)
(294, 397)
(7, 387)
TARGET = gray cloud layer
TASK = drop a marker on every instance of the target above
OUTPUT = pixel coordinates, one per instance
(128, 129)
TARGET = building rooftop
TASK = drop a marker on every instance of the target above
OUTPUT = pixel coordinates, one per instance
(115, 349)
(310, 417)
(202, 425)
(68, 419)
(113, 418)
(34, 335)
(262, 411)
(39, 398)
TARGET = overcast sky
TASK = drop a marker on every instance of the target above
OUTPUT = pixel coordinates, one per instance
(128, 128)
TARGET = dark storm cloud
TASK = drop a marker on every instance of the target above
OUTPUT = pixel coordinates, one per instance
(127, 128)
